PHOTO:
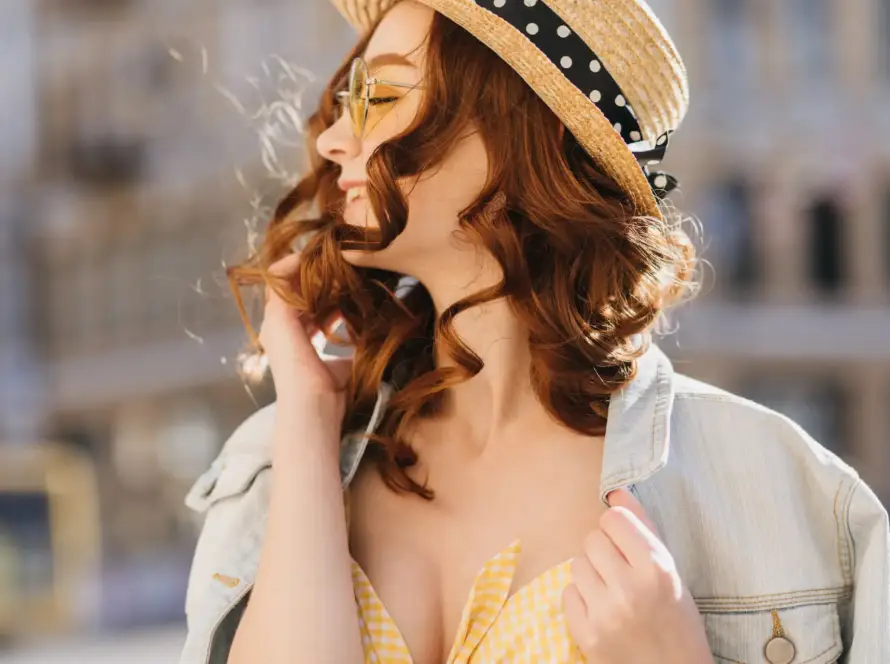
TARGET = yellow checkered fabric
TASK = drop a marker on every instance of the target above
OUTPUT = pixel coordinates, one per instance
(495, 627)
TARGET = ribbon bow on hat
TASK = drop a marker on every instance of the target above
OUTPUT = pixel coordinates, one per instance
(662, 183)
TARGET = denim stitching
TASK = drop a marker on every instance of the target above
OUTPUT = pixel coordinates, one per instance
(663, 393)
(826, 592)
(795, 593)
(712, 397)
(842, 543)
(842, 533)
(653, 439)
(848, 536)
(719, 605)
(765, 606)
(835, 637)
(837, 530)
(662, 406)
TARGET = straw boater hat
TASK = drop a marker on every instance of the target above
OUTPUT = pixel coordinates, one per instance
(607, 68)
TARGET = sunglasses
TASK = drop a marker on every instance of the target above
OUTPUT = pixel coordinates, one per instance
(357, 100)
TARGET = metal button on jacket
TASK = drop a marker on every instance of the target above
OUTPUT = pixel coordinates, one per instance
(779, 650)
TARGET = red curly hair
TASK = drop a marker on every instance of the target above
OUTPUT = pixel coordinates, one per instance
(585, 273)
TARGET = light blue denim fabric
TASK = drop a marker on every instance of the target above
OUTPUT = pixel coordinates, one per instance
(785, 549)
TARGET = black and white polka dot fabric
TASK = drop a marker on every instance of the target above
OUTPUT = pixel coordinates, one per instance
(580, 65)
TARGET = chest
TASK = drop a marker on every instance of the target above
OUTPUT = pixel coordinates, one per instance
(423, 558)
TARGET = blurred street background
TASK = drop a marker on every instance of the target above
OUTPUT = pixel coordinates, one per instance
(141, 145)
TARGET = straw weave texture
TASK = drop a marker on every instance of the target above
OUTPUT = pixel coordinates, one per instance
(627, 38)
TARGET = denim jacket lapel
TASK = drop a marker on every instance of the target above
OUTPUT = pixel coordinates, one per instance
(638, 428)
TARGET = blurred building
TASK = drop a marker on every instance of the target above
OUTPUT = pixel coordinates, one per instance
(783, 160)
(120, 202)
(143, 147)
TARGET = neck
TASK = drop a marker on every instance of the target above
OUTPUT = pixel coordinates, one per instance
(499, 400)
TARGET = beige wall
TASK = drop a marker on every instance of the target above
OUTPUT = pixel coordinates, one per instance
(799, 132)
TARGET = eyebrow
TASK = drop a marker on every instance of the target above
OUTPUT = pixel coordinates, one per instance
(389, 59)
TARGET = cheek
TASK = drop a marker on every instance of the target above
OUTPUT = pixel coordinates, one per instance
(434, 200)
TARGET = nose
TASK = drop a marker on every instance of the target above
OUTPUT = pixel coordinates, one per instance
(338, 143)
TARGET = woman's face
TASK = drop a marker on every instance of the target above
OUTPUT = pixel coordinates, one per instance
(397, 52)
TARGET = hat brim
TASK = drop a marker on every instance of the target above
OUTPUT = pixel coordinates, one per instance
(579, 114)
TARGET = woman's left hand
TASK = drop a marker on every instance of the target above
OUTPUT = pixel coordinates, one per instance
(626, 603)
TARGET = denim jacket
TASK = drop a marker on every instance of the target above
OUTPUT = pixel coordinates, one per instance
(784, 548)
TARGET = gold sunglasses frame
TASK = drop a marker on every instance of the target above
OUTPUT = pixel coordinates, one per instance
(358, 102)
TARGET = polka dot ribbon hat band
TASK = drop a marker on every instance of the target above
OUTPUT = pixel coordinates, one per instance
(607, 68)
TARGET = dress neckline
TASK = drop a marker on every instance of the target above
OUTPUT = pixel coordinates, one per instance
(489, 595)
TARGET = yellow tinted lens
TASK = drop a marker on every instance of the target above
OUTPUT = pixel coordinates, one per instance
(358, 95)
(381, 100)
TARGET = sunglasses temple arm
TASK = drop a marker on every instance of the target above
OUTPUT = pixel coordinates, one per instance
(380, 81)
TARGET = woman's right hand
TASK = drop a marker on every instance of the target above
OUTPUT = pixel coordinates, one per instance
(302, 377)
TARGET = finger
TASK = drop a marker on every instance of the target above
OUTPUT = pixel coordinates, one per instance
(588, 581)
(621, 497)
(630, 536)
(575, 613)
(286, 266)
(607, 560)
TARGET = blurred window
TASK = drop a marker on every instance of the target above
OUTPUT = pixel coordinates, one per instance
(729, 238)
(886, 230)
(49, 536)
(18, 129)
(810, 41)
(819, 406)
(125, 299)
(826, 250)
(63, 302)
(733, 46)
(884, 35)
(25, 524)
(90, 306)
(110, 99)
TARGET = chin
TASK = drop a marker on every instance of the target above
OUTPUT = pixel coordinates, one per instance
(359, 258)
(372, 261)
(391, 259)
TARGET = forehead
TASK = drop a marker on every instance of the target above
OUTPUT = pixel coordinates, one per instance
(402, 31)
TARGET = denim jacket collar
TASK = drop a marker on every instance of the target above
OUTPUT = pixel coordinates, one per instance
(638, 428)
(637, 432)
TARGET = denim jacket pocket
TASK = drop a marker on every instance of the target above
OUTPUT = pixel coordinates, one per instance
(798, 634)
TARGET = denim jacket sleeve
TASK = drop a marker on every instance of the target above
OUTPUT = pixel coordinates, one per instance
(868, 620)
(232, 496)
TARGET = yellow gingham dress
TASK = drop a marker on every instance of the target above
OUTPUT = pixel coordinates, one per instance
(494, 627)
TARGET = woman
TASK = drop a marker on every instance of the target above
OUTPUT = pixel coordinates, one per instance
(435, 497)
